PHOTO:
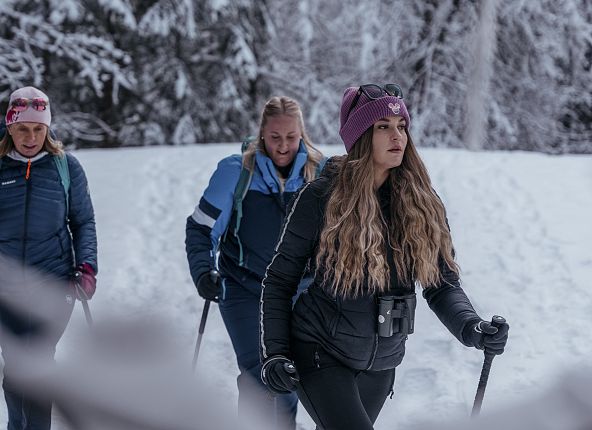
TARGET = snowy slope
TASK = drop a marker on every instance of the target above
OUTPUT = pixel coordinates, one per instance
(521, 228)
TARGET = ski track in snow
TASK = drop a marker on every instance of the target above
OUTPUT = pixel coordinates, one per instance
(520, 232)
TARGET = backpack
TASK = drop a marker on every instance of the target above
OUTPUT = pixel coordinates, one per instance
(242, 187)
(61, 163)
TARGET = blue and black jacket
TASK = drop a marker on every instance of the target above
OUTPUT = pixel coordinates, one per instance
(210, 227)
(37, 226)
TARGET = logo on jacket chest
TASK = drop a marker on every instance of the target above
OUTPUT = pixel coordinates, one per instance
(12, 181)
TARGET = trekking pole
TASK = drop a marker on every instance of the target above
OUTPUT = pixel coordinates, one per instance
(200, 331)
(83, 298)
(496, 321)
(214, 275)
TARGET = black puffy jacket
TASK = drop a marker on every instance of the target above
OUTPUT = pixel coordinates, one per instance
(34, 226)
(345, 328)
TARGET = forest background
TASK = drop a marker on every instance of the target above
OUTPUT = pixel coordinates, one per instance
(505, 74)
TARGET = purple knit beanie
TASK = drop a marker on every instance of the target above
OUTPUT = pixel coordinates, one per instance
(365, 113)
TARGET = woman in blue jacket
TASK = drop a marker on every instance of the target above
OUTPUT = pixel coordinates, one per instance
(245, 231)
(48, 224)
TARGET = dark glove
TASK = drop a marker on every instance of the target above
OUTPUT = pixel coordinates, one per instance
(279, 374)
(84, 282)
(486, 336)
(209, 285)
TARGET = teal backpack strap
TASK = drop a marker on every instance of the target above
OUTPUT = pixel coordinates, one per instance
(242, 187)
(246, 142)
(61, 162)
(240, 191)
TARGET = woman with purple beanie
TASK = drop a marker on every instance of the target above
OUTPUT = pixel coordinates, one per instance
(372, 229)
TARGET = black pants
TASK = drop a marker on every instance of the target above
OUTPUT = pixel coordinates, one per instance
(335, 396)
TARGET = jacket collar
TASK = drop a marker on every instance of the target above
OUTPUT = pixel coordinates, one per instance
(269, 172)
(15, 155)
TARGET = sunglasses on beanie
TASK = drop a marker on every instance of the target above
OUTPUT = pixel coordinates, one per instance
(22, 104)
(373, 92)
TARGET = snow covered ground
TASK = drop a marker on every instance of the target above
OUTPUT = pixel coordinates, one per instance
(521, 228)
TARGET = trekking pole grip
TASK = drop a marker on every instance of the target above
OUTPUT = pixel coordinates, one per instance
(82, 296)
(497, 322)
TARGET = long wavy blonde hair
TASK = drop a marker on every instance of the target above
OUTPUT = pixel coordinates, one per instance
(51, 145)
(277, 106)
(352, 248)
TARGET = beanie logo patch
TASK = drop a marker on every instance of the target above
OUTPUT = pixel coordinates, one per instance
(12, 116)
(396, 108)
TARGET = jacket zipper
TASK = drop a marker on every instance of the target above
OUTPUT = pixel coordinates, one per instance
(374, 351)
(26, 220)
(280, 198)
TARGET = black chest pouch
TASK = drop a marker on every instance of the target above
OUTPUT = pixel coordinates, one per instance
(396, 314)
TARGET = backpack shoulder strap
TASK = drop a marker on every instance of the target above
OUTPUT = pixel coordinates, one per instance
(61, 162)
(240, 191)
(242, 187)
(244, 180)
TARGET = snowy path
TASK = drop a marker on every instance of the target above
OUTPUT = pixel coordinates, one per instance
(520, 235)
(520, 224)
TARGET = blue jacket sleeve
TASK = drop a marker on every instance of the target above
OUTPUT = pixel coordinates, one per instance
(211, 216)
(81, 216)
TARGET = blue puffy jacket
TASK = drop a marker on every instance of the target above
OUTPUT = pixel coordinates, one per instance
(264, 209)
(34, 226)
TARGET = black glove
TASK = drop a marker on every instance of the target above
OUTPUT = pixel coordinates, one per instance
(279, 374)
(209, 285)
(486, 336)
